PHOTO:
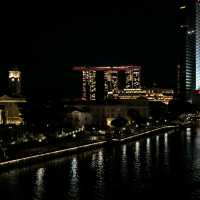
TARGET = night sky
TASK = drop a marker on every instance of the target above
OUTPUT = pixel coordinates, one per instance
(47, 40)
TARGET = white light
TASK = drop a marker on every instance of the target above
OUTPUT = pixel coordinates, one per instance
(157, 138)
(148, 142)
(137, 150)
(188, 131)
(124, 149)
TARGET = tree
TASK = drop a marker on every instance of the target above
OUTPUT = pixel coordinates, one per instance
(119, 122)
(133, 115)
(178, 107)
(158, 110)
(42, 114)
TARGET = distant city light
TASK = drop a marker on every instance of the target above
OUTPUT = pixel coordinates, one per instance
(182, 7)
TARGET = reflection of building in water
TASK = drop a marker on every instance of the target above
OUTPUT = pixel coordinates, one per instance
(137, 159)
(39, 182)
(166, 142)
(10, 105)
(74, 179)
(124, 163)
(157, 147)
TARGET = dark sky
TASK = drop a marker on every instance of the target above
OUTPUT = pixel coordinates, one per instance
(46, 40)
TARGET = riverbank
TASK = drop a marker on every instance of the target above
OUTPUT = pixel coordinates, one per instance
(144, 133)
(31, 156)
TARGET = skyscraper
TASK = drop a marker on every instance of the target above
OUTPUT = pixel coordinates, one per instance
(133, 79)
(110, 84)
(188, 37)
(89, 85)
(197, 27)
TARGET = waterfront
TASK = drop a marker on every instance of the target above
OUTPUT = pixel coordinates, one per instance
(164, 166)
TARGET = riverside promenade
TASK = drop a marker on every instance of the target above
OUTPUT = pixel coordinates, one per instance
(30, 156)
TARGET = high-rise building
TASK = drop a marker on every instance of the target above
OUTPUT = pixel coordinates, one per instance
(111, 80)
(197, 38)
(188, 35)
(133, 79)
(89, 85)
(14, 78)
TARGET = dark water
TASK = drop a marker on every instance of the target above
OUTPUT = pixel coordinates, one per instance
(159, 167)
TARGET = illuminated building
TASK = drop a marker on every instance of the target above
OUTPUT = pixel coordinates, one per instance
(10, 110)
(197, 26)
(154, 94)
(133, 79)
(89, 85)
(111, 79)
(110, 83)
(10, 105)
(188, 48)
(101, 114)
(14, 78)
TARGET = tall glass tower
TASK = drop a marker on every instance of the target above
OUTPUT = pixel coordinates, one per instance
(197, 38)
(189, 48)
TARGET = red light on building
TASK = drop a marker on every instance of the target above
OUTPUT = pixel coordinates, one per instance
(196, 92)
(106, 68)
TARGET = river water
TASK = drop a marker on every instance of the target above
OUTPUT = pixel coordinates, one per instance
(164, 166)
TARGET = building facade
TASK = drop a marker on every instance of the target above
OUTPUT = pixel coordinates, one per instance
(188, 39)
(151, 94)
(197, 38)
(11, 105)
(101, 115)
(10, 110)
(110, 85)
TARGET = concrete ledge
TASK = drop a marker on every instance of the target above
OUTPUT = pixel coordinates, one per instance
(47, 156)
(128, 138)
(29, 160)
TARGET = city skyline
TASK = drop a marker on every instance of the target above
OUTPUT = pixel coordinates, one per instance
(100, 101)
(188, 65)
(48, 44)
(101, 83)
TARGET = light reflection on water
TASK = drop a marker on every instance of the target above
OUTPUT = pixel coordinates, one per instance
(74, 179)
(140, 169)
(137, 151)
(137, 160)
(100, 176)
(39, 183)
(148, 156)
(148, 147)
(166, 153)
(124, 171)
